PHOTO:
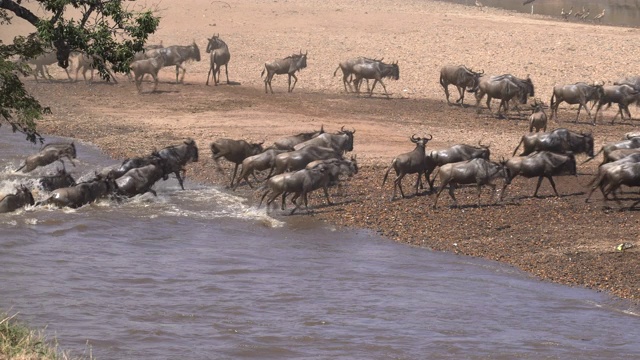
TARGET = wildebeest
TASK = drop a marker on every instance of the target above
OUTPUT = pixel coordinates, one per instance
(462, 78)
(263, 161)
(634, 81)
(300, 183)
(578, 93)
(59, 180)
(500, 87)
(342, 141)
(630, 135)
(84, 62)
(633, 143)
(538, 117)
(413, 162)
(477, 171)
(376, 70)
(453, 154)
(609, 172)
(82, 193)
(178, 156)
(147, 66)
(235, 151)
(617, 174)
(48, 154)
(289, 65)
(298, 159)
(220, 55)
(623, 95)
(336, 168)
(619, 154)
(140, 180)
(13, 202)
(347, 70)
(543, 164)
(559, 141)
(41, 62)
(177, 55)
(134, 162)
(288, 143)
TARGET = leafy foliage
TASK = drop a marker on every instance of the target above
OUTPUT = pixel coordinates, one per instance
(104, 29)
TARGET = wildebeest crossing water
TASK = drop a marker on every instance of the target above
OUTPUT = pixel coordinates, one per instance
(196, 272)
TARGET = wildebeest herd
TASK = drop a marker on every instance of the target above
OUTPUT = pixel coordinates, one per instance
(302, 163)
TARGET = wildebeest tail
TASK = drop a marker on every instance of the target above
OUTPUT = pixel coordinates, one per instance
(335, 72)
(384, 180)
(553, 96)
(263, 70)
(596, 154)
(20, 168)
(517, 147)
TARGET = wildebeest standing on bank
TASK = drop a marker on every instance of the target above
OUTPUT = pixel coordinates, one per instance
(342, 141)
(376, 70)
(476, 171)
(463, 78)
(177, 55)
(623, 95)
(48, 154)
(220, 55)
(453, 154)
(578, 93)
(413, 162)
(347, 70)
(178, 156)
(235, 151)
(300, 182)
(559, 141)
(260, 162)
(608, 172)
(543, 164)
(538, 117)
(289, 65)
(13, 202)
(147, 66)
(500, 87)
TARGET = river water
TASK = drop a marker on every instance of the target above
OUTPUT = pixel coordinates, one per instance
(617, 12)
(198, 274)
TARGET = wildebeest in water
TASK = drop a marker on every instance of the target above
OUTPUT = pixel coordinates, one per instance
(49, 154)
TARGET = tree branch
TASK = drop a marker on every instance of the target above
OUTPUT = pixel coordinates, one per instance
(20, 11)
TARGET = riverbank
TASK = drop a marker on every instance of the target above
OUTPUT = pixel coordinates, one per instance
(559, 239)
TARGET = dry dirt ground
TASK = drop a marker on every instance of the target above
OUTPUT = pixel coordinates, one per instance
(561, 239)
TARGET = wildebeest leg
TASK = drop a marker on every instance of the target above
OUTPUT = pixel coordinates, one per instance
(262, 198)
(418, 182)
(295, 81)
(268, 81)
(179, 179)
(398, 182)
(233, 177)
(452, 187)
(214, 76)
(446, 92)
(384, 87)
(442, 186)
(226, 70)
(155, 82)
(461, 99)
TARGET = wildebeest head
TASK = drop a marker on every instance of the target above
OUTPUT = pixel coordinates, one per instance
(196, 51)
(392, 71)
(301, 61)
(349, 133)
(486, 152)
(419, 141)
(62, 53)
(588, 144)
(25, 194)
(192, 149)
(214, 43)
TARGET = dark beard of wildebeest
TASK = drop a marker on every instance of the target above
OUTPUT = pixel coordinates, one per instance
(59, 180)
(289, 65)
(287, 143)
(347, 70)
(82, 193)
(235, 151)
(623, 95)
(13, 202)
(609, 171)
(559, 141)
(177, 55)
(543, 164)
(455, 153)
(409, 163)
(633, 143)
(342, 141)
(578, 93)
(49, 154)
(500, 87)
(462, 78)
(177, 156)
(62, 53)
(376, 70)
(476, 171)
(220, 55)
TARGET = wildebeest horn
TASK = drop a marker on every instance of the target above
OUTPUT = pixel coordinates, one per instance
(354, 131)
(342, 128)
(430, 137)
(414, 139)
